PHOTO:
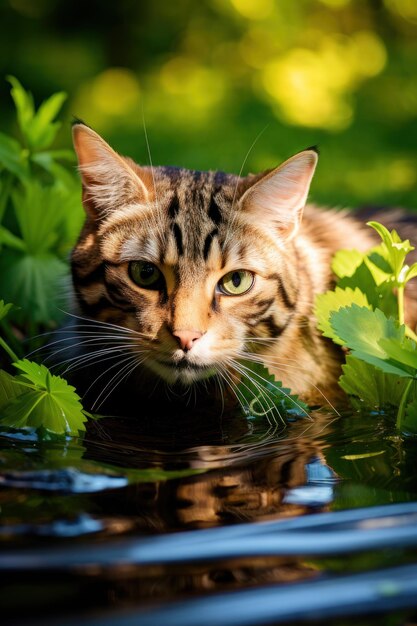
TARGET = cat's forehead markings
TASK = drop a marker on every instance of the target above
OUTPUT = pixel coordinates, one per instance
(170, 255)
(137, 248)
(125, 214)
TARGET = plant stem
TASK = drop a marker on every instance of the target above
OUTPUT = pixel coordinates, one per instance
(401, 408)
(400, 296)
(10, 338)
(9, 351)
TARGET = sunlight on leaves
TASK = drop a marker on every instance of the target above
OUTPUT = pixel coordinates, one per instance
(362, 330)
(331, 301)
(38, 128)
(43, 401)
(370, 386)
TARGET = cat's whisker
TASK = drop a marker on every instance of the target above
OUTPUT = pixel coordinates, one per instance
(232, 386)
(92, 322)
(121, 364)
(79, 362)
(89, 342)
(269, 406)
(219, 383)
(263, 391)
(233, 218)
(155, 221)
(280, 365)
(125, 371)
(87, 339)
(278, 389)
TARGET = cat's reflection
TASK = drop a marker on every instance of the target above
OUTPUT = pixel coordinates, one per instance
(276, 475)
(256, 477)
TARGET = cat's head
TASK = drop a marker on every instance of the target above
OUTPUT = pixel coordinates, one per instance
(196, 265)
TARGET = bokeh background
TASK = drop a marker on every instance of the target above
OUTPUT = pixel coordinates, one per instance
(212, 77)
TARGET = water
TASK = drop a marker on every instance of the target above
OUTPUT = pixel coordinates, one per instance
(204, 520)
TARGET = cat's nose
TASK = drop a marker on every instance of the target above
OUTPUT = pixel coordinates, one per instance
(186, 338)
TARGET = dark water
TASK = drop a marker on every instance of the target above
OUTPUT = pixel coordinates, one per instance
(231, 521)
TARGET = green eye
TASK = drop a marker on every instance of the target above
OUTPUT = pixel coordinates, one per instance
(145, 274)
(236, 283)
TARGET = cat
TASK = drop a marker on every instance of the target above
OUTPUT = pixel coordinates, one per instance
(179, 275)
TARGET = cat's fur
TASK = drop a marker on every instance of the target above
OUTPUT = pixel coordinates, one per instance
(196, 227)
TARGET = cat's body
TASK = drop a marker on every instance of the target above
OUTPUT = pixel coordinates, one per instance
(203, 270)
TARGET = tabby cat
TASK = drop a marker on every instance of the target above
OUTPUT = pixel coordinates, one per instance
(179, 275)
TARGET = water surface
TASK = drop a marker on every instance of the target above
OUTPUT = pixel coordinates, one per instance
(158, 515)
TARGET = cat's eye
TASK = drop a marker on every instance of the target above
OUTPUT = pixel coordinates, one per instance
(236, 283)
(145, 274)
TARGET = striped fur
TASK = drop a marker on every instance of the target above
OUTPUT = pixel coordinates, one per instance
(196, 227)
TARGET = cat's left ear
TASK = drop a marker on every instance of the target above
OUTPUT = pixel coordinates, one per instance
(279, 196)
(109, 180)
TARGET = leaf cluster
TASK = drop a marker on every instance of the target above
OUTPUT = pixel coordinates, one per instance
(365, 313)
(34, 398)
(40, 211)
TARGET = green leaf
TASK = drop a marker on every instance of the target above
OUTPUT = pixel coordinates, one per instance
(371, 386)
(376, 260)
(365, 279)
(43, 130)
(9, 388)
(361, 330)
(8, 239)
(62, 177)
(410, 273)
(24, 104)
(4, 309)
(345, 262)
(396, 248)
(38, 128)
(261, 394)
(331, 301)
(12, 157)
(32, 283)
(46, 214)
(404, 352)
(48, 402)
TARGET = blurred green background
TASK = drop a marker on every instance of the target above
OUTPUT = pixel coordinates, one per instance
(209, 77)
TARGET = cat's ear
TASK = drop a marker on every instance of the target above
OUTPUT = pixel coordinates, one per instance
(109, 180)
(279, 196)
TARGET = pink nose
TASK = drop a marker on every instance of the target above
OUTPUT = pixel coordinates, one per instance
(186, 338)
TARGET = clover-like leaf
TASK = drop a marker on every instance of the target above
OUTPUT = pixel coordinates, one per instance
(9, 389)
(373, 388)
(331, 301)
(404, 352)
(345, 262)
(47, 402)
(361, 330)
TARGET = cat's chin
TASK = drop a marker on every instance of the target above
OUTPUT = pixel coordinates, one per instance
(183, 373)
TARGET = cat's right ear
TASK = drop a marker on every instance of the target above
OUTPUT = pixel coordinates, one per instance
(109, 180)
(279, 196)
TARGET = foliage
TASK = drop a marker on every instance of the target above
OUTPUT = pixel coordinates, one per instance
(40, 212)
(333, 301)
(36, 399)
(382, 368)
(40, 216)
